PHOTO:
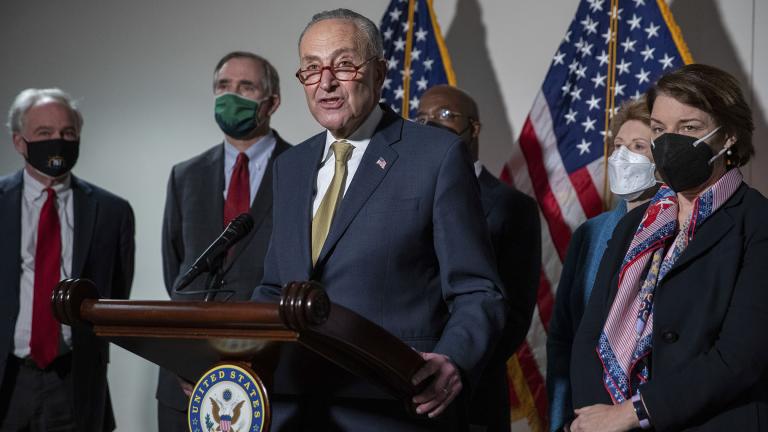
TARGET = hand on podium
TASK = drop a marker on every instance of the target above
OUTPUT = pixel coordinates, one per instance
(443, 388)
(186, 386)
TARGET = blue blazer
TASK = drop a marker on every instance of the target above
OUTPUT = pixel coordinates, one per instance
(103, 251)
(579, 271)
(408, 249)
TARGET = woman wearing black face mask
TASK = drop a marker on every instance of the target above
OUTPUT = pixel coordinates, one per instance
(672, 338)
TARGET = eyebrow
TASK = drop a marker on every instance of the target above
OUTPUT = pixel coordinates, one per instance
(45, 128)
(227, 81)
(685, 120)
(334, 54)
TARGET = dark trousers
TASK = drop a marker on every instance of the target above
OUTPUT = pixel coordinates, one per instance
(34, 399)
(171, 420)
(489, 410)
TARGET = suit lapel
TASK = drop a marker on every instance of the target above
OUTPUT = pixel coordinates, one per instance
(300, 214)
(367, 178)
(85, 210)
(214, 217)
(611, 263)
(10, 232)
(710, 232)
(262, 202)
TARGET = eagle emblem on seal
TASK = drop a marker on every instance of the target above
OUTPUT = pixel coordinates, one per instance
(226, 412)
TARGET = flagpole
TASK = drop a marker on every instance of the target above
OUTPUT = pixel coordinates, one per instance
(610, 98)
(407, 64)
(447, 64)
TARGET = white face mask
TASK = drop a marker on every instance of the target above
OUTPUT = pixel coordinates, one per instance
(630, 174)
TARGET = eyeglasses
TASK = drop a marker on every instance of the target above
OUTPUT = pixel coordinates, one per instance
(441, 114)
(340, 73)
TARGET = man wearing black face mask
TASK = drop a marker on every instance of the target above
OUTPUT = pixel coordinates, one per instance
(209, 190)
(55, 226)
(513, 224)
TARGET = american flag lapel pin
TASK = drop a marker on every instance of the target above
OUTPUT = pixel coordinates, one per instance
(381, 163)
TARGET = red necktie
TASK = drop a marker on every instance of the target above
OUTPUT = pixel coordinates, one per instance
(44, 341)
(239, 193)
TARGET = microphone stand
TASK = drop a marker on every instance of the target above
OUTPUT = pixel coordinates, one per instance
(215, 278)
(212, 259)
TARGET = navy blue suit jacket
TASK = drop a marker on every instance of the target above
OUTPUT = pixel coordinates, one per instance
(103, 251)
(408, 249)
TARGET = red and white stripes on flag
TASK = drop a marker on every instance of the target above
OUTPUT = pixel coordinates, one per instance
(565, 201)
(612, 51)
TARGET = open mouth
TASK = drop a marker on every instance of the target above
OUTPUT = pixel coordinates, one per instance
(331, 102)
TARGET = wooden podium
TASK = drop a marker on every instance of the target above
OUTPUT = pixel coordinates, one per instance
(190, 337)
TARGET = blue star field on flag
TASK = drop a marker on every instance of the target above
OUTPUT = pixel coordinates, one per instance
(415, 54)
(575, 86)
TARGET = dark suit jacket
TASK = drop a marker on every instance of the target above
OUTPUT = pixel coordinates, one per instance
(103, 251)
(513, 223)
(709, 359)
(408, 249)
(194, 218)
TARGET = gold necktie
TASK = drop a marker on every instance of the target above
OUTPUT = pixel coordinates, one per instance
(321, 223)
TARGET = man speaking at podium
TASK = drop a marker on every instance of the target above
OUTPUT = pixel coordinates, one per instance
(386, 215)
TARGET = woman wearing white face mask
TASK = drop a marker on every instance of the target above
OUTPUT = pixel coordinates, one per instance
(631, 177)
(631, 171)
(673, 336)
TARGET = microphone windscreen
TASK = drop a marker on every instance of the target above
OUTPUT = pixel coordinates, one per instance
(243, 223)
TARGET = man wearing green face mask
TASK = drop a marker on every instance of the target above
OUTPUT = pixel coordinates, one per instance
(209, 190)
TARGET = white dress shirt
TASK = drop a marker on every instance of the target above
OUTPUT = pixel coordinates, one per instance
(258, 158)
(32, 200)
(478, 168)
(359, 140)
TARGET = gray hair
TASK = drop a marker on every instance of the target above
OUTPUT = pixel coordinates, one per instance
(372, 43)
(31, 97)
(270, 80)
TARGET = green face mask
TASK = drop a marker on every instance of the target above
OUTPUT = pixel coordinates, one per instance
(237, 116)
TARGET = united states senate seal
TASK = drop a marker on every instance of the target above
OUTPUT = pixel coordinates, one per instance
(229, 398)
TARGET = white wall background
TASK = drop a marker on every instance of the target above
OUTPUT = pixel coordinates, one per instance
(142, 70)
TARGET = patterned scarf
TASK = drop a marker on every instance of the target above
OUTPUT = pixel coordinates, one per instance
(626, 340)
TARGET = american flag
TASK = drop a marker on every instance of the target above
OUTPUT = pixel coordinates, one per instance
(613, 50)
(415, 53)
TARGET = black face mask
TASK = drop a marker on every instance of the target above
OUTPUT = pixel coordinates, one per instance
(683, 161)
(54, 157)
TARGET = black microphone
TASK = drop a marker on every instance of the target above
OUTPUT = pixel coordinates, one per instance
(236, 230)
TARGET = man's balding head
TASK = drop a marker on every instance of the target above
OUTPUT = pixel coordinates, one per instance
(451, 108)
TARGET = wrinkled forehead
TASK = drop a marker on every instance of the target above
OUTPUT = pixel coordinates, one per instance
(331, 38)
(48, 111)
(241, 68)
